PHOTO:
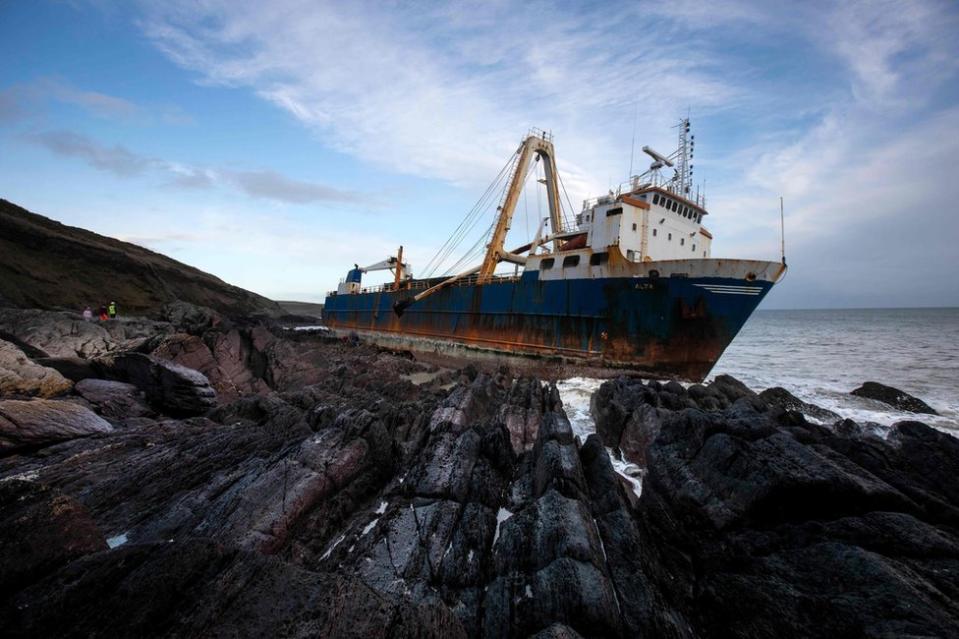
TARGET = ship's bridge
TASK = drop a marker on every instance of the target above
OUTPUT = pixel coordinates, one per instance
(650, 224)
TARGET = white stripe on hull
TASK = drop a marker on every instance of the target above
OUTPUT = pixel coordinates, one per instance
(723, 289)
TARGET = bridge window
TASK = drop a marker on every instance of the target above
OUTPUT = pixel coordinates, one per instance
(596, 259)
(546, 264)
(617, 211)
(572, 260)
(656, 198)
(675, 206)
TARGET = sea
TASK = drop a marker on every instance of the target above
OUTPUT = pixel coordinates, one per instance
(821, 355)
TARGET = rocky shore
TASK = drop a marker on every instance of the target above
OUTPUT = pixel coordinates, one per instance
(199, 476)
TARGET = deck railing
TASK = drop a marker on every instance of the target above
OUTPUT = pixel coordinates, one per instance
(421, 285)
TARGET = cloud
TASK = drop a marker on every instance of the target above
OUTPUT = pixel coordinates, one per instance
(273, 186)
(431, 91)
(122, 162)
(31, 98)
(116, 159)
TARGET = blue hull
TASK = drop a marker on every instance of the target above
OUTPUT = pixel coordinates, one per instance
(672, 326)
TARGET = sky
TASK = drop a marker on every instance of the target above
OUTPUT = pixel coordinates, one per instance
(275, 144)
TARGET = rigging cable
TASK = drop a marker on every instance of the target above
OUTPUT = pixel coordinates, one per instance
(468, 222)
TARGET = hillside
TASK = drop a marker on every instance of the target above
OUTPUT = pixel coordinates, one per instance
(45, 264)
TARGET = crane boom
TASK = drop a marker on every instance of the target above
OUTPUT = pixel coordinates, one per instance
(541, 146)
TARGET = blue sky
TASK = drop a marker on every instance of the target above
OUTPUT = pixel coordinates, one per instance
(275, 144)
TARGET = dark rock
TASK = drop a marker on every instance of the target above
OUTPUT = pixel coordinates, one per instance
(778, 396)
(190, 317)
(730, 387)
(893, 397)
(767, 528)
(361, 504)
(170, 388)
(557, 631)
(114, 400)
(73, 368)
(39, 422)
(42, 530)
(197, 588)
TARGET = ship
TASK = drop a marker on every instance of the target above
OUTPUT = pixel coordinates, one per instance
(628, 284)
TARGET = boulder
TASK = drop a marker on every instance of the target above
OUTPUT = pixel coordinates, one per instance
(38, 422)
(114, 400)
(778, 396)
(170, 388)
(19, 375)
(893, 397)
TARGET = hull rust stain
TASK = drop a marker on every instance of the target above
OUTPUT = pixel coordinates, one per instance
(672, 326)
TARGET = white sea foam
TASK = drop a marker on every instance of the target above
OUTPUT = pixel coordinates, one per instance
(501, 515)
(576, 393)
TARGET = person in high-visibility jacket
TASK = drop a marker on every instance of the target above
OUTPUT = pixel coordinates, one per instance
(112, 310)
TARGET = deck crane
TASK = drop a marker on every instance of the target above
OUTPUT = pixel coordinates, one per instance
(402, 270)
(539, 145)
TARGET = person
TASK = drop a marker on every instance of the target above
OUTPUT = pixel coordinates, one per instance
(103, 314)
(87, 314)
(112, 310)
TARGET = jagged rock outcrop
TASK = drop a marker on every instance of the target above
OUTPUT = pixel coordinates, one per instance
(629, 412)
(114, 400)
(62, 334)
(778, 396)
(893, 397)
(761, 524)
(170, 388)
(197, 588)
(20, 376)
(39, 422)
(365, 505)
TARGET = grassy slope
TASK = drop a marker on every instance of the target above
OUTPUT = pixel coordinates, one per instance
(45, 264)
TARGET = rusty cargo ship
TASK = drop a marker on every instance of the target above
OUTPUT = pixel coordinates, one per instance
(628, 283)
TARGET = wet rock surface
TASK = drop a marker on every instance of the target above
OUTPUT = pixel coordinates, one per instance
(893, 397)
(326, 494)
(759, 523)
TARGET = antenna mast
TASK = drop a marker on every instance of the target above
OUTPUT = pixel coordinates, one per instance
(632, 146)
(684, 158)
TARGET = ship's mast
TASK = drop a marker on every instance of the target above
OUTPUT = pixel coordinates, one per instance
(538, 144)
(683, 160)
